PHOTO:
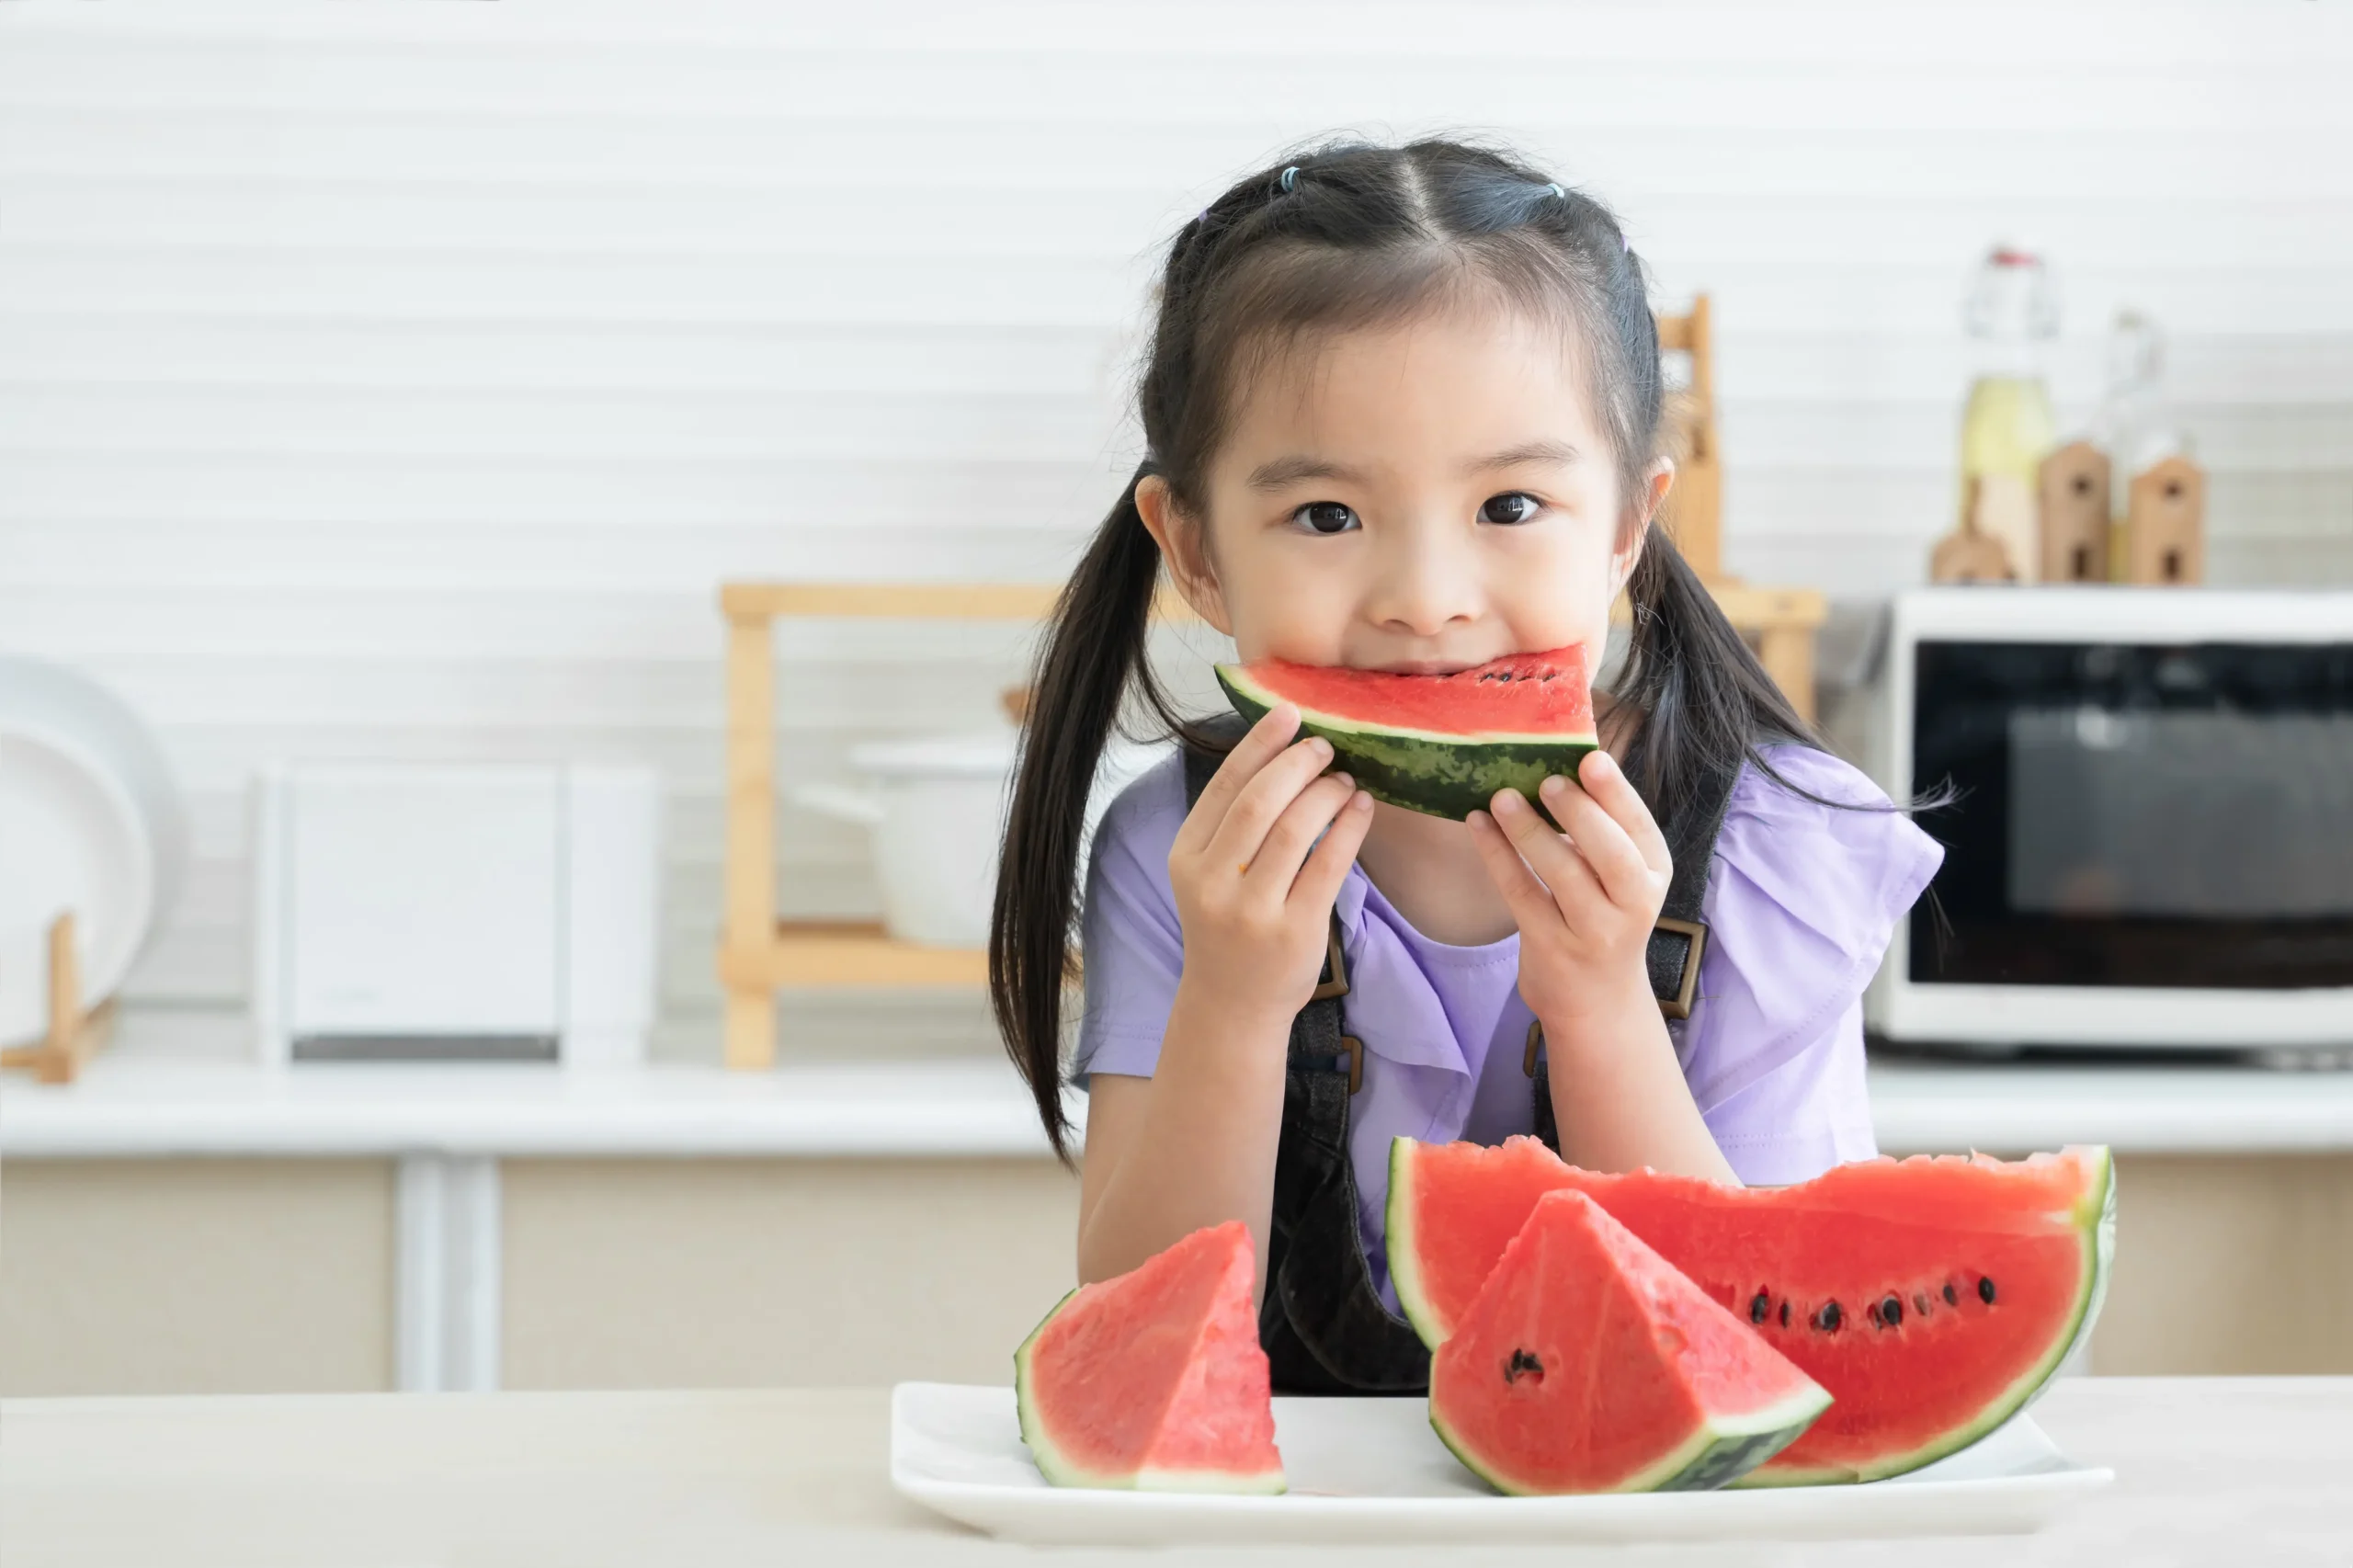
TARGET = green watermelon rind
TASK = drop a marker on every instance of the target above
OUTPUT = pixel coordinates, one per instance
(2095, 1217)
(1722, 1449)
(1442, 776)
(1061, 1470)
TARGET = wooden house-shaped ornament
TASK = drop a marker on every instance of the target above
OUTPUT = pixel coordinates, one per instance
(2073, 524)
(2165, 524)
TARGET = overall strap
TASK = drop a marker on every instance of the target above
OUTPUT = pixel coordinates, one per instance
(1324, 1327)
(1679, 941)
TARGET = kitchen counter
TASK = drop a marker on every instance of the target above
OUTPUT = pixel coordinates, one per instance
(128, 1106)
(2209, 1471)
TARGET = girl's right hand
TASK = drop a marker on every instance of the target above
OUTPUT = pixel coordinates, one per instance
(1254, 888)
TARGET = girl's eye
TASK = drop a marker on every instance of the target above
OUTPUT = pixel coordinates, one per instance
(1326, 516)
(1512, 506)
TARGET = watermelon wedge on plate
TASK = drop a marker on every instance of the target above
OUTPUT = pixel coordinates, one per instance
(1934, 1297)
(1587, 1364)
(1153, 1380)
(1440, 743)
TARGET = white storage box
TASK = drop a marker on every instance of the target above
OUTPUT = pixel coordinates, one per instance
(450, 912)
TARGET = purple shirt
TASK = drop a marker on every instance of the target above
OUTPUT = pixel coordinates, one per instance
(1800, 900)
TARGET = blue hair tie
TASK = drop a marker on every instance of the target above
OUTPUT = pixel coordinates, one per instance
(1556, 190)
(1289, 174)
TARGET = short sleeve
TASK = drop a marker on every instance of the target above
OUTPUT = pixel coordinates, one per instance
(1802, 900)
(1802, 1118)
(1131, 946)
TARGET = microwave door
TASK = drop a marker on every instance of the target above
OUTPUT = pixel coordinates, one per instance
(2137, 817)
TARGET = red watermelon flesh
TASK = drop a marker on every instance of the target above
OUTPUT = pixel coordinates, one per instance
(1933, 1297)
(1154, 1379)
(1461, 1205)
(1441, 743)
(1587, 1364)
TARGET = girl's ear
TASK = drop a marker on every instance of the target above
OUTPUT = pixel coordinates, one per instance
(1657, 480)
(1183, 547)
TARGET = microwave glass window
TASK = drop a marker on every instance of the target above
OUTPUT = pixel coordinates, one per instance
(2137, 816)
(2190, 815)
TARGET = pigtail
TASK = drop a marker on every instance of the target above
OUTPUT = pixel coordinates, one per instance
(1700, 702)
(1093, 652)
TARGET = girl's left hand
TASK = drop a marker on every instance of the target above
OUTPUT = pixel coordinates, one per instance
(1586, 924)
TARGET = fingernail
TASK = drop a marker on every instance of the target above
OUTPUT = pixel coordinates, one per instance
(1344, 778)
(1320, 746)
(1361, 802)
(1554, 785)
(1601, 762)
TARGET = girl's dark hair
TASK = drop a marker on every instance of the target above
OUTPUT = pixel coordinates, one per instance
(1350, 236)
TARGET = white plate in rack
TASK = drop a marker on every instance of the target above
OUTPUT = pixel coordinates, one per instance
(1372, 1471)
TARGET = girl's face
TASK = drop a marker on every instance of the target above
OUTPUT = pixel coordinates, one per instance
(1421, 497)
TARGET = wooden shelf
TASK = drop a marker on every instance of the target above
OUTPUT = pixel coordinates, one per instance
(827, 955)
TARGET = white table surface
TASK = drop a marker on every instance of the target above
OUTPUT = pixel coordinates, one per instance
(2220, 1472)
(143, 1105)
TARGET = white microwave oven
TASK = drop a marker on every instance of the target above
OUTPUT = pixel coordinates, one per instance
(2150, 839)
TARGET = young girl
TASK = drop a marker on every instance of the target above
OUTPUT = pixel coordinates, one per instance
(1401, 409)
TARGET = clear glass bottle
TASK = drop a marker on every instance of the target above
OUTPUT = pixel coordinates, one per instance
(2011, 315)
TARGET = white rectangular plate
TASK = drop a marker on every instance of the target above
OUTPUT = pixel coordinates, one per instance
(1371, 1470)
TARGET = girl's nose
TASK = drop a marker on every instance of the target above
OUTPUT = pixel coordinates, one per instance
(1423, 583)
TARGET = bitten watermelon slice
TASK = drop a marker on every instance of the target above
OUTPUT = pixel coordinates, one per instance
(1438, 743)
(1588, 1364)
(1933, 1297)
(1154, 1381)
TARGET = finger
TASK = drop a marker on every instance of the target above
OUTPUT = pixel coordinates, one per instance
(1318, 884)
(1606, 783)
(1286, 843)
(1240, 837)
(1602, 842)
(1551, 857)
(1529, 900)
(1261, 744)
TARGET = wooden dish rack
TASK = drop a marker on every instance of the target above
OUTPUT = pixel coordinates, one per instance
(759, 954)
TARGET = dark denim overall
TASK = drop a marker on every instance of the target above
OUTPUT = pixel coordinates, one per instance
(1324, 1327)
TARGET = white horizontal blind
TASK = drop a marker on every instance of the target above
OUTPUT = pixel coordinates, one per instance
(400, 378)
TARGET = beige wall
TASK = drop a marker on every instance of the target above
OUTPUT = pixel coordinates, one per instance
(132, 1277)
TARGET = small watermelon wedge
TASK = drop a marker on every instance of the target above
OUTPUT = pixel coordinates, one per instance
(1587, 1364)
(1154, 1381)
(1440, 743)
(1934, 1297)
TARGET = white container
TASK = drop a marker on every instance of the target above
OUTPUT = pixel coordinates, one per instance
(454, 913)
(936, 808)
(91, 824)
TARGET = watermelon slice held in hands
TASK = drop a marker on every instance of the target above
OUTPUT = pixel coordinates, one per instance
(1443, 744)
(1587, 1364)
(1154, 1381)
(1933, 1297)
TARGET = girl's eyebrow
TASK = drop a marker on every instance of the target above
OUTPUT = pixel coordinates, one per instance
(1278, 472)
(1540, 451)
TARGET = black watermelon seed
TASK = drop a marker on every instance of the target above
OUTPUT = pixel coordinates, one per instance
(1523, 1364)
(1985, 1290)
(1827, 1318)
(1785, 1314)
(1891, 1311)
(1759, 1307)
(1871, 1312)
(1951, 1299)
(1920, 1302)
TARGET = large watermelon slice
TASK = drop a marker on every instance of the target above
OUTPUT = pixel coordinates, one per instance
(1588, 1364)
(1438, 743)
(1933, 1297)
(1154, 1379)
